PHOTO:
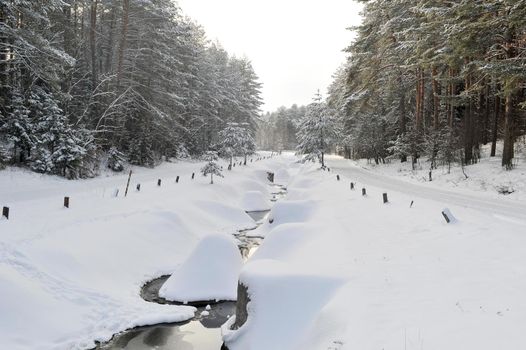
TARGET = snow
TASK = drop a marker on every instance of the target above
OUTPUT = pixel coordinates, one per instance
(210, 272)
(69, 277)
(255, 201)
(335, 271)
(295, 298)
(385, 276)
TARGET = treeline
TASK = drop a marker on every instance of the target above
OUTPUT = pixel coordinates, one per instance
(436, 79)
(277, 130)
(134, 79)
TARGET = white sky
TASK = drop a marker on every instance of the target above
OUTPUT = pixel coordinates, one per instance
(295, 45)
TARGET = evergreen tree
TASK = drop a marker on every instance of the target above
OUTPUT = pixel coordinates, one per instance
(318, 131)
(211, 168)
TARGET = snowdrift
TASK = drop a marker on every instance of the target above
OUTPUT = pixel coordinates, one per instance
(210, 272)
(296, 297)
(255, 201)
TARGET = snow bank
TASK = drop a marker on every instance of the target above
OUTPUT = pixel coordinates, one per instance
(295, 297)
(291, 211)
(281, 176)
(210, 272)
(71, 276)
(283, 240)
(255, 201)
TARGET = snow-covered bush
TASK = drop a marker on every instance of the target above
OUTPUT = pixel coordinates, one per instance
(116, 160)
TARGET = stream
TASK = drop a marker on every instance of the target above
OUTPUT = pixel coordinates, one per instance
(201, 332)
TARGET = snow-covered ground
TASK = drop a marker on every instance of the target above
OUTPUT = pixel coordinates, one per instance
(69, 277)
(342, 271)
(485, 177)
(336, 270)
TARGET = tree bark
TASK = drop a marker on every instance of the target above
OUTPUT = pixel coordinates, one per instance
(496, 117)
(92, 42)
(436, 100)
(124, 33)
(468, 124)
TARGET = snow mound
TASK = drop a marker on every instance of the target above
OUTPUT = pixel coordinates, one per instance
(284, 302)
(254, 201)
(291, 211)
(281, 176)
(251, 185)
(210, 272)
(283, 240)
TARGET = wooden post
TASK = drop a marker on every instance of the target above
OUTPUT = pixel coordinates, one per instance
(352, 185)
(338, 177)
(138, 187)
(66, 202)
(193, 175)
(159, 182)
(127, 184)
(5, 212)
(448, 216)
(177, 179)
(385, 198)
(411, 205)
(364, 192)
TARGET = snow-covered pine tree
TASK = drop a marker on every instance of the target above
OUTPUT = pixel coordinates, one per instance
(116, 160)
(211, 168)
(318, 131)
(18, 128)
(234, 141)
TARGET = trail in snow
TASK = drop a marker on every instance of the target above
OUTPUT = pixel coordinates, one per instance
(501, 209)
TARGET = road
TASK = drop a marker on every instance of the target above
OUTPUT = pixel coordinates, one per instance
(501, 207)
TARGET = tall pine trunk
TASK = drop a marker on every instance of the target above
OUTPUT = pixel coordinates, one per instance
(124, 34)
(495, 131)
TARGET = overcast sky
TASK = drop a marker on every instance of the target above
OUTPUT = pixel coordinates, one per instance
(295, 45)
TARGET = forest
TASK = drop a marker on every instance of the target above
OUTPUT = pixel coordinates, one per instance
(130, 80)
(434, 79)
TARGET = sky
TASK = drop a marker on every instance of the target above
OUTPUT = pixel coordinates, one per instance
(295, 46)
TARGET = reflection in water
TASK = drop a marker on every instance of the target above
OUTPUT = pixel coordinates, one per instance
(258, 215)
(202, 333)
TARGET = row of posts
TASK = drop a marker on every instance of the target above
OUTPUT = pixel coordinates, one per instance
(5, 210)
(446, 213)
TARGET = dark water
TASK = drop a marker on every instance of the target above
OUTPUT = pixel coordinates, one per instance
(202, 332)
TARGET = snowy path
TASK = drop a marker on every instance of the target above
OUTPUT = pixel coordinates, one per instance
(501, 209)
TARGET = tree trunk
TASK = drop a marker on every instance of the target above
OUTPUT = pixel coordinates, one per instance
(109, 53)
(211, 179)
(468, 124)
(496, 116)
(402, 119)
(124, 34)
(452, 92)
(322, 159)
(92, 42)
(507, 153)
(436, 100)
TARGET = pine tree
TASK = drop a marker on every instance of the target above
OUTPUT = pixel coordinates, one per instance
(318, 131)
(211, 168)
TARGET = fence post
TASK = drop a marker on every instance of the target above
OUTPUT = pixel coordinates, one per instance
(385, 198)
(177, 179)
(411, 205)
(364, 192)
(338, 177)
(127, 184)
(193, 175)
(352, 185)
(5, 212)
(138, 187)
(66, 202)
(159, 182)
